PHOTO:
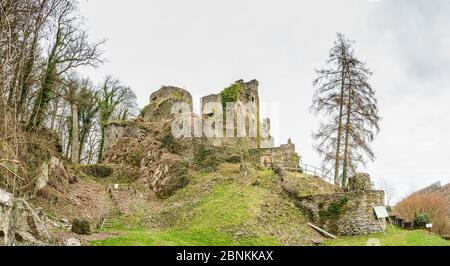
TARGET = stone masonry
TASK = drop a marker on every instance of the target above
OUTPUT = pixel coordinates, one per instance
(284, 156)
(345, 214)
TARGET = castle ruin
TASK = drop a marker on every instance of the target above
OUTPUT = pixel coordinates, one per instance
(243, 94)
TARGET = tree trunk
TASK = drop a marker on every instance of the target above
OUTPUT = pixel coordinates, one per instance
(26, 81)
(102, 143)
(339, 135)
(44, 95)
(54, 114)
(75, 138)
(347, 136)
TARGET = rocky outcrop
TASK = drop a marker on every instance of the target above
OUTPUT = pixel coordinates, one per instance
(20, 224)
(168, 175)
(161, 160)
(148, 144)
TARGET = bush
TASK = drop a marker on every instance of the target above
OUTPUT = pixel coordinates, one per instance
(421, 221)
(81, 227)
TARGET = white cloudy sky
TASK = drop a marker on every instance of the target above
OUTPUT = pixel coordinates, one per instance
(205, 45)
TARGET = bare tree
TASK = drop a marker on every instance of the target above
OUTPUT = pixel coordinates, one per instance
(32, 82)
(389, 192)
(112, 95)
(329, 100)
(70, 49)
(344, 95)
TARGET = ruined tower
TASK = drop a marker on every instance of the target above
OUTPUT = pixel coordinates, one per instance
(245, 97)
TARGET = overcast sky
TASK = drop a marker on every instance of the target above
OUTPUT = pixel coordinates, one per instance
(205, 45)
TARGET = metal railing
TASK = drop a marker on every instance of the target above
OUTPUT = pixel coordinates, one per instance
(324, 174)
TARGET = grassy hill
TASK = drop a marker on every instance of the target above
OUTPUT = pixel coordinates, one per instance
(221, 208)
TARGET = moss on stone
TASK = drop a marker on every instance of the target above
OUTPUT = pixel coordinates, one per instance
(332, 214)
(178, 95)
(335, 209)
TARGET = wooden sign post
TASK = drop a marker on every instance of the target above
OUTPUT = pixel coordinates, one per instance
(429, 227)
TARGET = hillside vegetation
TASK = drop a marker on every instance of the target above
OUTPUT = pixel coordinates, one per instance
(433, 202)
(220, 208)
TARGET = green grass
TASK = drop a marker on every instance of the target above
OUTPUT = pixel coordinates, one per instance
(222, 208)
(214, 220)
(171, 237)
(400, 237)
(226, 209)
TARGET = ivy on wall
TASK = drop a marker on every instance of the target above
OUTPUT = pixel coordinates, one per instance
(332, 214)
(230, 94)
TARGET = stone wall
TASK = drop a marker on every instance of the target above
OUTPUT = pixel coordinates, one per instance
(267, 141)
(284, 156)
(248, 93)
(345, 214)
(113, 132)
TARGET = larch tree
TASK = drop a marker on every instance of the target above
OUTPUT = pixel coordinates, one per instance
(345, 97)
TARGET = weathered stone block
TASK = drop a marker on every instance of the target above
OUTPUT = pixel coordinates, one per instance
(168, 175)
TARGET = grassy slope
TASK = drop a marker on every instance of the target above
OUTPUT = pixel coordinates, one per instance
(400, 237)
(221, 208)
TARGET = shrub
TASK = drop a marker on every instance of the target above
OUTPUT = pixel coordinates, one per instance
(81, 227)
(421, 220)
